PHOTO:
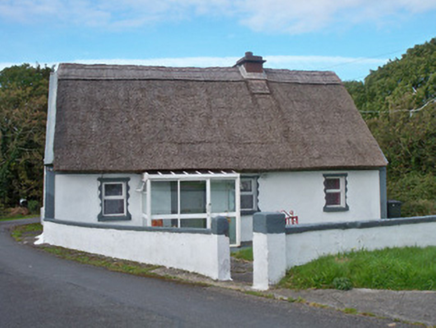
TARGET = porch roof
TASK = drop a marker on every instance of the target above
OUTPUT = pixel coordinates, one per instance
(189, 175)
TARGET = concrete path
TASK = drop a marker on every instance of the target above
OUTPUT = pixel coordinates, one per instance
(410, 306)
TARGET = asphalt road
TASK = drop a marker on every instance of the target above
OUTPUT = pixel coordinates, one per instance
(40, 290)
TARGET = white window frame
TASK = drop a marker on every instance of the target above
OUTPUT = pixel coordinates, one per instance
(342, 190)
(114, 197)
(102, 216)
(252, 193)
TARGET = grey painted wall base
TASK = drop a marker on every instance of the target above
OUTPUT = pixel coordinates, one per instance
(383, 194)
(49, 206)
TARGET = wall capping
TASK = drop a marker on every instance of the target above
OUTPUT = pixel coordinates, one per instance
(131, 228)
(358, 224)
(269, 222)
(220, 226)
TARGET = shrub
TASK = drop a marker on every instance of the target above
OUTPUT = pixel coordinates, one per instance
(33, 206)
(2, 210)
(417, 192)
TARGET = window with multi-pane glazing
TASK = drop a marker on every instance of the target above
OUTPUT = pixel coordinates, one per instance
(248, 194)
(335, 189)
(114, 194)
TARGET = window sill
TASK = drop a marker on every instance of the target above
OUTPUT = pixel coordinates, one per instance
(335, 209)
(114, 218)
(248, 212)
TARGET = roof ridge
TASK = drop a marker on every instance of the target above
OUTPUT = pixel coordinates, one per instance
(73, 71)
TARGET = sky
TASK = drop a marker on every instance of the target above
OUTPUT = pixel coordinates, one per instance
(349, 37)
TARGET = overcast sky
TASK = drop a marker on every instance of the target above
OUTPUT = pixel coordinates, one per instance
(349, 37)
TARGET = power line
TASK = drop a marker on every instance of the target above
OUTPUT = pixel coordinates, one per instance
(411, 111)
(361, 59)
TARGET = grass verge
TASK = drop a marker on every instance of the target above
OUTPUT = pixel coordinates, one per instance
(21, 231)
(111, 264)
(18, 217)
(409, 268)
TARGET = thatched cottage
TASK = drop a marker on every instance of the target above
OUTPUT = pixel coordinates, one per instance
(173, 147)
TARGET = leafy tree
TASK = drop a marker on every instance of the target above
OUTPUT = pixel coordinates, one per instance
(398, 102)
(23, 107)
(405, 83)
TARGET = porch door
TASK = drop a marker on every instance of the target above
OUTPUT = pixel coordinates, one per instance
(224, 203)
(193, 204)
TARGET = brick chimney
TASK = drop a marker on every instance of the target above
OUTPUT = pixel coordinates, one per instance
(252, 64)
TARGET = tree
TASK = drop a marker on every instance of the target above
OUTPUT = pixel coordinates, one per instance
(23, 108)
(398, 102)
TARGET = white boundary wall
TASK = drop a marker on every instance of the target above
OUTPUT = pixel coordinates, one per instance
(268, 269)
(277, 248)
(204, 253)
(306, 246)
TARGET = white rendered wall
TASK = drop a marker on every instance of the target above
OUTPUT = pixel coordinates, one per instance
(246, 228)
(77, 198)
(170, 249)
(270, 259)
(303, 192)
(304, 247)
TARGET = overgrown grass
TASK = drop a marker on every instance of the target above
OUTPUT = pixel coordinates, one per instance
(18, 217)
(102, 261)
(19, 232)
(409, 268)
(244, 254)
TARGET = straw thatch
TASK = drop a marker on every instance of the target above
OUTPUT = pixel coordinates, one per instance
(138, 118)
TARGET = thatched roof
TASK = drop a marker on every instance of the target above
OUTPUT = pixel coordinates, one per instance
(136, 118)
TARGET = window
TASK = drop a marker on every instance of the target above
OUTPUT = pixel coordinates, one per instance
(181, 203)
(114, 194)
(335, 189)
(192, 199)
(249, 195)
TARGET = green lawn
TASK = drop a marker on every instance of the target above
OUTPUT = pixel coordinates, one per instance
(244, 254)
(409, 268)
